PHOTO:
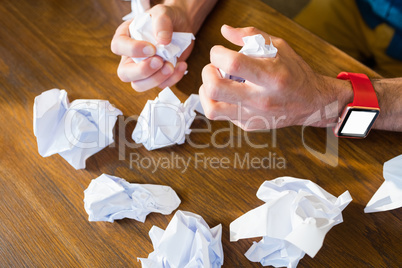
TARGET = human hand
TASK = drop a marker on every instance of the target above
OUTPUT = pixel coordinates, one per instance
(153, 71)
(278, 92)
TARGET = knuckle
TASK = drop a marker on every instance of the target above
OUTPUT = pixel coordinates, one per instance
(215, 47)
(264, 104)
(210, 112)
(114, 46)
(122, 74)
(279, 42)
(251, 30)
(214, 52)
(204, 73)
(282, 84)
(234, 65)
(283, 79)
(211, 91)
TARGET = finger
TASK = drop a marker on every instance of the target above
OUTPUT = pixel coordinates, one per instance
(178, 74)
(123, 44)
(154, 80)
(226, 90)
(254, 70)
(162, 24)
(129, 71)
(217, 110)
(235, 35)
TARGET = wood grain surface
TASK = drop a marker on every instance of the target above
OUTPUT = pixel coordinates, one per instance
(66, 44)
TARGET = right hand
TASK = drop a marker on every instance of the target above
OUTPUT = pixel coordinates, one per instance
(153, 71)
(278, 92)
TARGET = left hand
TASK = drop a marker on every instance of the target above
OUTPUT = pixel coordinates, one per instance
(153, 71)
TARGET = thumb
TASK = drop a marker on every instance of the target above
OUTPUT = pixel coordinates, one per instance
(162, 25)
(235, 35)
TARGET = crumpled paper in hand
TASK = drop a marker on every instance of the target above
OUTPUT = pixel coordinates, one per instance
(254, 46)
(110, 198)
(187, 242)
(141, 29)
(165, 121)
(294, 220)
(389, 195)
(137, 7)
(74, 130)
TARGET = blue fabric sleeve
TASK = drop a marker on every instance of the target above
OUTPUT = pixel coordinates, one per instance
(375, 12)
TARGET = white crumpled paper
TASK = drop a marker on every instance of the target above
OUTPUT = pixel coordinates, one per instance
(389, 195)
(110, 198)
(74, 130)
(293, 221)
(187, 242)
(137, 7)
(254, 46)
(165, 121)
(141, 29)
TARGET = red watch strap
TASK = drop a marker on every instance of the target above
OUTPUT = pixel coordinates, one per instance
(364, 94)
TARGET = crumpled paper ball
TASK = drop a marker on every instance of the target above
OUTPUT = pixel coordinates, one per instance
(74, 130)
(294, 220)
(187, 242)
(141, 29)
(389, 195)
(110, 198)
(165, 121)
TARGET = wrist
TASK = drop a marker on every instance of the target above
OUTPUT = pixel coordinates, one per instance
(342, 93)
(358, 116)
(334, 95)
(194, 11)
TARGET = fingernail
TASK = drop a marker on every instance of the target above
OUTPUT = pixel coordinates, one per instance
(164, 35)
(182, 67)
(167, 69)
(156, 63)
(148, 51)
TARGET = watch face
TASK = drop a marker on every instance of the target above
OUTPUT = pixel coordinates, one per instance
(357, 122)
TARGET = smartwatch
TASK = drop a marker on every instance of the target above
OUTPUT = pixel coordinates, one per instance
(359, 116)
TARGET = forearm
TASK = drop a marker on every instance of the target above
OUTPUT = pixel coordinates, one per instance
(196, 10)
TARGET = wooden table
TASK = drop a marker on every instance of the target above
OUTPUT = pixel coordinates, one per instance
(65, 44)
